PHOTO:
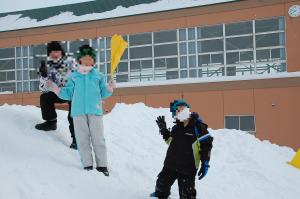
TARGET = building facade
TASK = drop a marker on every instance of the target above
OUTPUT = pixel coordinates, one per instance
(237, 63)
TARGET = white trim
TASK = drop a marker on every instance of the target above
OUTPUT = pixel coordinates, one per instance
(279, 75)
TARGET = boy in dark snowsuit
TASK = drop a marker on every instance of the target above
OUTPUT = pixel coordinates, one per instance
(57, 68)
(189, 144)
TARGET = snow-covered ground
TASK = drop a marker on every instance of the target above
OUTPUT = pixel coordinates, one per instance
(40, 165)
(14, 22)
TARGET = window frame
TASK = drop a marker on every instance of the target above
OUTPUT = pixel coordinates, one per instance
(239, 119)
(189, 37)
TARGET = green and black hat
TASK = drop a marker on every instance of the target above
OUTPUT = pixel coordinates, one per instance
(175, 104)
(86, 50)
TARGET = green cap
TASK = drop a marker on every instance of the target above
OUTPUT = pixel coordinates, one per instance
(86, 50)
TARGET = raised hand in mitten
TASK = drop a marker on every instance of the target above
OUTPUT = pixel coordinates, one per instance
(161, 123)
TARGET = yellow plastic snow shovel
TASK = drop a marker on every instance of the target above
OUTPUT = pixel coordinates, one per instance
(296, 160)
(118, 46)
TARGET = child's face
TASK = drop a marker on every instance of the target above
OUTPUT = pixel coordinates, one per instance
(179, 109)
(87, 61)
(55, 54)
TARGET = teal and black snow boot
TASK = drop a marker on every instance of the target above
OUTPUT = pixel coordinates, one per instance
(154, 195)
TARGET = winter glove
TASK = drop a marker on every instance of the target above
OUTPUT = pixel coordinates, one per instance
(43, 69)
(52, 86)
(111, 85)
(161, 123)
(203, 170)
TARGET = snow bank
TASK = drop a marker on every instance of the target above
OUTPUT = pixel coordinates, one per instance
(36, 164)
(14, 22)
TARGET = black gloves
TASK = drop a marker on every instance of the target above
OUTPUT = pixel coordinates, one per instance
(161, 123)
(43, 69)
(203, 170)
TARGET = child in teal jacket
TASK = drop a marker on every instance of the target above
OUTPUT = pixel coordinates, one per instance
(86, 88)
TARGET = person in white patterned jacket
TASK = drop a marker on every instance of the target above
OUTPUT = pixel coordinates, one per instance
(56, 68)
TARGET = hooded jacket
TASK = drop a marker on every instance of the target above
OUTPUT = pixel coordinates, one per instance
(57, 71)
(185, 151)
(86, 91)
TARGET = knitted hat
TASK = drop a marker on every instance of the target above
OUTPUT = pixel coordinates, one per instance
(174, 105)
(54, 46)
(86, 50)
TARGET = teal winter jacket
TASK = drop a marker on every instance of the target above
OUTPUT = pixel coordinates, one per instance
(86, 92)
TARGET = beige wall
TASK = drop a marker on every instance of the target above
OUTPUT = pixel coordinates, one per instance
(279, 123)
(209, 105)
(292, 39)
(161, 99)
(239, 102)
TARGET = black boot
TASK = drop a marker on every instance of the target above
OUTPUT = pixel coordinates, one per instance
(103, 170)
(73, 144)
(88, 168)
(47, 126)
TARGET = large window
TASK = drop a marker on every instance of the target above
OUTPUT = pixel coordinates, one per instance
(210, 32)
(241, 28)
(140, 52)
(240, 122)
(74, 45)
(140, 39)
(165, 60)
(7, 70)
(165, 36)
(240, 48)
(270, 45)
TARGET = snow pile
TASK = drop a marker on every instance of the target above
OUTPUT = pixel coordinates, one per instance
(36, 164)
(14, 22)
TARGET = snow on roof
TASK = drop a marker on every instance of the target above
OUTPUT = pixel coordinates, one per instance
(15, 22)
(10, 6)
